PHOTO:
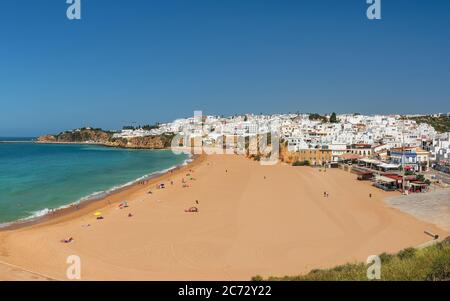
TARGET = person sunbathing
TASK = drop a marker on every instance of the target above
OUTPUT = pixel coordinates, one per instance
(68, 240)
(192, 210)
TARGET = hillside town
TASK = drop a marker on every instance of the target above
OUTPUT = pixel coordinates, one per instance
(383, 148)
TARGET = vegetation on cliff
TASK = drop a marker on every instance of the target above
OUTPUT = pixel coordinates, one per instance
(324, 119)
(147, 142)
(87, 135)
(431, 263)
(79, 135)
(440, 124)
(318, 117)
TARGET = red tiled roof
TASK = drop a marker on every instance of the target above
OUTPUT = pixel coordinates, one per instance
(395, 177)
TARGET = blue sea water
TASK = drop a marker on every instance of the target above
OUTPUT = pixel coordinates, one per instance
(17, 139)
(38, 177)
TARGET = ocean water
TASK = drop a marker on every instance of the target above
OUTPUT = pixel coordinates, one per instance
(37, 177)
(16, 139)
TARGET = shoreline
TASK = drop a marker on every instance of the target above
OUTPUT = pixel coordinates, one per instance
(98, 144)
(92, 202)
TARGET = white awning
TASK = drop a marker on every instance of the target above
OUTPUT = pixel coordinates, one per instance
(371, 161)
(385, 165)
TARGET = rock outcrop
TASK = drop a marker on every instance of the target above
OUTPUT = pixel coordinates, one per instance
(147, 142)
(47, 138)
(80, 135)
(98, 136)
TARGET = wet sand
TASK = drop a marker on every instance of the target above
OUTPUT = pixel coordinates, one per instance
(252, 220)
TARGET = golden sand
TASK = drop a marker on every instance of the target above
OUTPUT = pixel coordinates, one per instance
(252, 220)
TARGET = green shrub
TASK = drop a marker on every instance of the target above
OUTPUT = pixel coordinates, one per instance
(386, 258)
(440, 269)
(301, 163)
(406, 253)
(440, 124)
(430, 263)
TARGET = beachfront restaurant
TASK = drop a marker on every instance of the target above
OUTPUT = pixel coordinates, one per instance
(369, 163)
(364, 175)
(385, 183)
(417, 186)
(348, 158)
(378, 165)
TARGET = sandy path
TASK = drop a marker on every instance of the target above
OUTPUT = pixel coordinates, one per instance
(247, 225)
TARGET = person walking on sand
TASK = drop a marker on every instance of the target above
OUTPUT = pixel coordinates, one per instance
(370, 195)
(324, 194)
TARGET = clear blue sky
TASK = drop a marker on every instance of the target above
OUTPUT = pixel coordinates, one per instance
(149, 61)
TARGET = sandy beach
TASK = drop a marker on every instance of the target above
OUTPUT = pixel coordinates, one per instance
(252, 220)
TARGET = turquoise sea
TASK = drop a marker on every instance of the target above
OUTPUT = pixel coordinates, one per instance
(37, 177)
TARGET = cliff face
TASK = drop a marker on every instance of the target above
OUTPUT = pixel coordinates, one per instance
(83, 135)
(105, 138)
(148, 142)
(47, 138)
(287, 156)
